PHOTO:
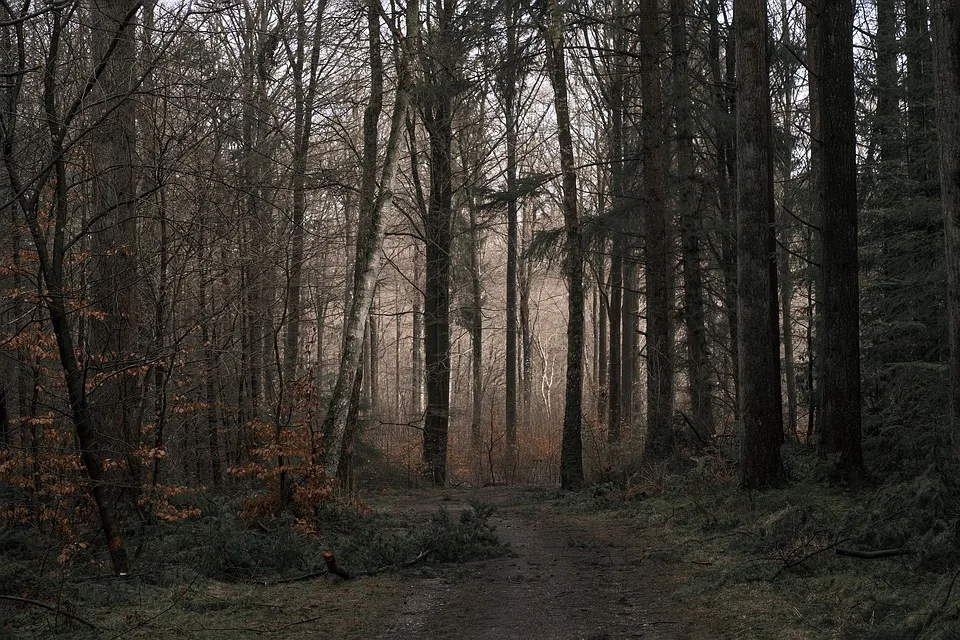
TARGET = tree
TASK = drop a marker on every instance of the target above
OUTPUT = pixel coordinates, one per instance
(691, 229)
(659, 440)
(946, 36)
(440, 60)
(840, 429)
(759, 350)
(571, 450)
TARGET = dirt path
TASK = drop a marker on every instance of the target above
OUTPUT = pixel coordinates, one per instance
(570, 576)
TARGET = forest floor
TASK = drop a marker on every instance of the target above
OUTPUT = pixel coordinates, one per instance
(699, 561)
(569, 576)
(566, 574)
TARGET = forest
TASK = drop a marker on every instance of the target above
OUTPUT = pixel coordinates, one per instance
(284, 283)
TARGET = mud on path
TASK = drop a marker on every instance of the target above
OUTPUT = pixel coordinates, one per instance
(569, 576)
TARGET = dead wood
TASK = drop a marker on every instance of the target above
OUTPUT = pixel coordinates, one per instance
(872, 555)
(331, 562)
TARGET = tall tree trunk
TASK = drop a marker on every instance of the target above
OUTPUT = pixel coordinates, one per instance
(698, 365)
(629, 338)
(815, 342)
(602, 341)
(660, 436)
(114, 335)
(760, 402)
(571, 448)
(305, 92)
(368, 262)
(510, 79)
(722, 72)
(785, 227)
(438, 120)
(946, 33)
(840, 430)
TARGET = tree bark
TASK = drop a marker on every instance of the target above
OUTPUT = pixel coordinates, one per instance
(840, 429)
(114, 333)
(660, 437)
(437, 110)
(760, 403)
(946, 33)
(509, 91)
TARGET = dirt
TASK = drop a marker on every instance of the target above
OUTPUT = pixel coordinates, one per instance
(568, 576)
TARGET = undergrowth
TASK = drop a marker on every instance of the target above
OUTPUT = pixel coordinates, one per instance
(219, 546)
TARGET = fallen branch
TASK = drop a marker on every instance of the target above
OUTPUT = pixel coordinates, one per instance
(403, 565)
(872, 555)
(309, 576)
(789, 564)
(43, 605)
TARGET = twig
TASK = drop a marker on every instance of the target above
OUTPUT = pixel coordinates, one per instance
(799, 561)
(871, 555)
(693, 428)
(950, 589)
(403, 565)
(48, 607)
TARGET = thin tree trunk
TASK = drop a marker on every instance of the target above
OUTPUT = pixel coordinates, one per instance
(786, 234)
(571, 450)
(724, 79)
(887, 123)
(815, 342)
(922, 158)
(476, 345)
(698, 370)
(512, 132)
(615, 427)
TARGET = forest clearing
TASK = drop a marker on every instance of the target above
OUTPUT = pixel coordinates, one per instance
(460, 318)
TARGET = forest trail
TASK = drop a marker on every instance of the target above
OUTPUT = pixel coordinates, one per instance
(569, 576)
